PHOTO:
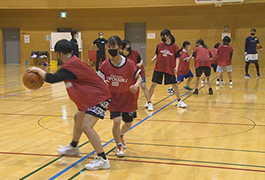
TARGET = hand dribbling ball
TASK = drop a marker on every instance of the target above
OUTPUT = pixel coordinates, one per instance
(32, 80)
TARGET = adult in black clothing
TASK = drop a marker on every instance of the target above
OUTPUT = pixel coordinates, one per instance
(99, 45)
(74, 34)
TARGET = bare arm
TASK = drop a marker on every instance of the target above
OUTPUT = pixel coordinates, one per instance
(140, 63)
(134, 87)
(154, 58)
(177, 65)
(94, 46)
(41, 72)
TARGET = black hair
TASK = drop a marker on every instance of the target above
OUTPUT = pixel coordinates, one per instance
(254, 30)
(217, 45)
(200, 41)
(63, 46)
(73, 32)
(124, 43)
(205, 46)
(227, 39)
(168, 33)
(100, 32)
(113, 40)
(184, 44)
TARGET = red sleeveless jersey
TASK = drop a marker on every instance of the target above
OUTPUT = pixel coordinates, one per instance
(184, 66)
(214, 59)
(166, 58)
(202, 57)
(134, 56)
(224, 55)
(120, 79)
(88, 89)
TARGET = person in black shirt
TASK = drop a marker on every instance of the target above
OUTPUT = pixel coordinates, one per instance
(251, 56)
(99, 45)
(74, 34)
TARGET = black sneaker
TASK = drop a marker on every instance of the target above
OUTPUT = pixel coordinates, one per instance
(210, 91)
(196, 91)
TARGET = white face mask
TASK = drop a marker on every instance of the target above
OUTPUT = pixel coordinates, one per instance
(101, 36)
(77, 36)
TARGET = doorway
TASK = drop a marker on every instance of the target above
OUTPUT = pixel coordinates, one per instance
(11, 45)
(136, 34)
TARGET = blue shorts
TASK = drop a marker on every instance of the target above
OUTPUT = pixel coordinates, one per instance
(181, 77)
(144, 79)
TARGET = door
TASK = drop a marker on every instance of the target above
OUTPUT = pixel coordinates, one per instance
(11, 45)
(136, 34)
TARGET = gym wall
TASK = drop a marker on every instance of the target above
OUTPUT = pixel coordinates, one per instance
(189, 22)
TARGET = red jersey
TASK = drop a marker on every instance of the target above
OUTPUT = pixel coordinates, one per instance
(184, 66)
(88, 89)
(135, 56)
(224, 55)
(166, 58)
(120, 79)
(214, 59)
(201, 57)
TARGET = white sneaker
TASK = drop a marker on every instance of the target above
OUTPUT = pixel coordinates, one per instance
(150, 107)
(146, 105)
(230, 83)
(203, 82)
(217, 82)
(119, 151)
(222, 83)
(69, 150)
(100, 163)
(123, 143)
(181, 104)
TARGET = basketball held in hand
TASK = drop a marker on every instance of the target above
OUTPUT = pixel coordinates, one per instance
(32, 80)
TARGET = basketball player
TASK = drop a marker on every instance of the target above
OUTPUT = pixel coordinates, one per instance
(123, 78)
(166, 54)
(214, 60)
(134, 55)
(251, 55)
(202, 64)
(90, 94)
(184, 65)
(225, 52)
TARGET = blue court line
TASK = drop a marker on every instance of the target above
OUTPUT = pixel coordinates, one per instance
(11, 85)
(82, 159)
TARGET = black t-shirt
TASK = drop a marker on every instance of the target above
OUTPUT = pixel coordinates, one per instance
(75, 44)
(100, 44)
(61, 75)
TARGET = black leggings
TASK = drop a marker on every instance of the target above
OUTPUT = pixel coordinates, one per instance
(248, 63)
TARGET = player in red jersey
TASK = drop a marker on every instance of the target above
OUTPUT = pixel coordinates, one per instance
(214, 60)
(123, 78)
(134, 55)
(166, 53)
(184, 65)
(90, 94)
(202, 64)
(225, 52)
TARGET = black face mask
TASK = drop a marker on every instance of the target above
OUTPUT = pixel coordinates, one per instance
(129, 49)
(163, 39)
(113, 52)
(252, 34)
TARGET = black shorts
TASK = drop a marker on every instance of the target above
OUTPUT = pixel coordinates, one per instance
(253, 61)
(214, 66)
(126, 116)
(205, 69)
(158, 78)
(99, 110)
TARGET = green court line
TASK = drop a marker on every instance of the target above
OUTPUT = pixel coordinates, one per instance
(79, 172)
(33, 172)
(194, 161)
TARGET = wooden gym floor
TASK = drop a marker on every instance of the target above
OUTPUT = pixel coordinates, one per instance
(218, 137)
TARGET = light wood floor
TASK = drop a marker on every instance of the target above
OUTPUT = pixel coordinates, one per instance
(218, 137)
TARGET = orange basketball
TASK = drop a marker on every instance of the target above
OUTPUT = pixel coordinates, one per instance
(32, 80)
